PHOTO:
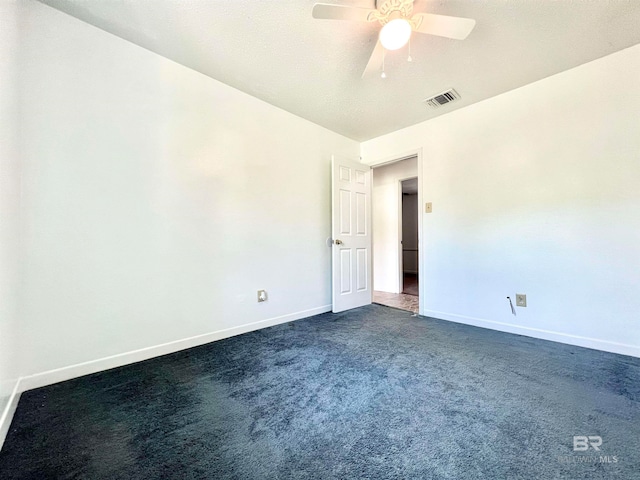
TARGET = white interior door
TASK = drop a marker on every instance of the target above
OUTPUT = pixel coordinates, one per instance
(351, 233)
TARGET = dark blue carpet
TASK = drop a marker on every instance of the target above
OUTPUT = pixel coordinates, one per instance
(370, 393)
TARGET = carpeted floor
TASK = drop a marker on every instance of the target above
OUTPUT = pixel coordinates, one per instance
(371, 393)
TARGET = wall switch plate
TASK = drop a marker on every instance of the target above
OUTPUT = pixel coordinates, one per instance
(521, 300)
(428, 207)
(262, 295)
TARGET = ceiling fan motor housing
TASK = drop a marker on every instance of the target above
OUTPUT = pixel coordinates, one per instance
(391, 9)
(385, 7)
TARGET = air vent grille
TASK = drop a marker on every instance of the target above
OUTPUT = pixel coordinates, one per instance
(442, 98)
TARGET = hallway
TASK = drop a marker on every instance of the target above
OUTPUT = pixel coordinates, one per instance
(407, 300)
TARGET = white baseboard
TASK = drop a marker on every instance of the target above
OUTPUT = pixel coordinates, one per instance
(72, 371)
(587, 342)
(7, 414)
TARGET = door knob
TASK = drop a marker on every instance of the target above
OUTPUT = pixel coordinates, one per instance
(338, 242)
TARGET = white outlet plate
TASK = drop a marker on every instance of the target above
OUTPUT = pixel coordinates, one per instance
(521, 300)
(262, 296)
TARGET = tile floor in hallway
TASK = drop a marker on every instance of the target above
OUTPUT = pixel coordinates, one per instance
(396, 300)
(408, 300)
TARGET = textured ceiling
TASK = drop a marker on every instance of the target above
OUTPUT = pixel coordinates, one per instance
(276, 51)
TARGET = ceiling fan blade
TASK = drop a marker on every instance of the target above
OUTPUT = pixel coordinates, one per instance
(375, 60)
(341, 12)
(443, 26)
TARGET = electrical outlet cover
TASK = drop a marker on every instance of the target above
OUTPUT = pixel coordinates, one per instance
(521, 300)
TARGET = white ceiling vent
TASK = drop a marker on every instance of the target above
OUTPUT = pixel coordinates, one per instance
(442, 98)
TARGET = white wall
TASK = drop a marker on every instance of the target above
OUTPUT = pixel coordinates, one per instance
(386, 193)
(158, 201)
(9, 208)
(410, 233)
(536, 191)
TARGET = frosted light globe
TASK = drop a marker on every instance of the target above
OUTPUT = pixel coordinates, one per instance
(395, 34)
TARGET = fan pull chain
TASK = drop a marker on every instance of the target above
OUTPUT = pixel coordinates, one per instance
(384, 75)
(409, 59)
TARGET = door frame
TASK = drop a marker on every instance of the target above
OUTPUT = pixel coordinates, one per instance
(421, 240)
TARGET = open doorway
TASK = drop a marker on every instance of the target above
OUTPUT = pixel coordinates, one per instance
(409, 219)
(395, 234)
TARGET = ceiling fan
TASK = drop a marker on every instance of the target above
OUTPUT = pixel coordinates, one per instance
(398, 21)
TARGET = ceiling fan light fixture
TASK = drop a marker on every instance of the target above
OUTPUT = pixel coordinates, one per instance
(395, 34)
